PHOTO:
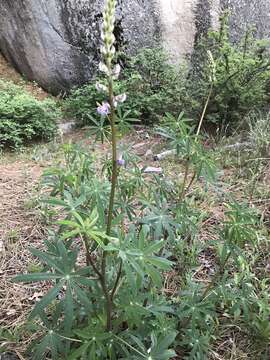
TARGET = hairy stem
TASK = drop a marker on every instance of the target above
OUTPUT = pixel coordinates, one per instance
(109, 299)
(118, 277)
(114, 158)
(183, 191)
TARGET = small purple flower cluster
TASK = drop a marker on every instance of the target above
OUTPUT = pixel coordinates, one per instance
(104, 109)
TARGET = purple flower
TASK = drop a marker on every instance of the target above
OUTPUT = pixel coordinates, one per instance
(121, 162)
(104, 109)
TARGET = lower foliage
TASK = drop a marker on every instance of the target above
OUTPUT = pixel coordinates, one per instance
(153, 235)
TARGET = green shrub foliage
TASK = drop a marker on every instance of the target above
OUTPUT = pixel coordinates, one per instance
(242, 75)
(24, 118)
(153, 85)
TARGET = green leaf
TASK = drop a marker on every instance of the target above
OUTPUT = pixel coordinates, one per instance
(82, 297)
(47, 299)
(47, 259)
(81, 351)
(159, 262)
(54, 201)
(35, 277)
(153, 248)
(154, 274)
(68, 309)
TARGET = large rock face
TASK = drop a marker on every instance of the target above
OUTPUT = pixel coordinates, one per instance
(246, 14)
(56, 42)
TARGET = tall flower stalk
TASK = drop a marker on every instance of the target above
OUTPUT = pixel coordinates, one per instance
(108, 108)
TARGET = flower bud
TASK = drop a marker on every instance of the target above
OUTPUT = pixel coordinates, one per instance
(116, 71)
(101, 88)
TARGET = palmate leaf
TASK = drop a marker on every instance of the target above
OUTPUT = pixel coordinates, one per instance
(160, 219)
(51, 343)
(94, 344)
(87, 227)
(159, 349)
(72, 285)
(81, 352)
(154, 274)
(159, 262)
(142, 260)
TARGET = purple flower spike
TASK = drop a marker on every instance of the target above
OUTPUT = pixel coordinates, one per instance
(121, 162)
(104, 109)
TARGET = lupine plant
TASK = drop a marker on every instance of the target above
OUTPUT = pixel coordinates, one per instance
(103, 267)
(116, 234)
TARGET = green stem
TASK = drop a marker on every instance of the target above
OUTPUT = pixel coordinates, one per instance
(109, 300)
(114, 159)
(183, 191)
(187, 166)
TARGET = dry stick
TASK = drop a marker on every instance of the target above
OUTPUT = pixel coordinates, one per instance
(256, 178)
(216, 276)
(187, 189)
(204, 110)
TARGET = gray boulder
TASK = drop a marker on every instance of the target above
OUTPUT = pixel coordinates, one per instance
(56, 42)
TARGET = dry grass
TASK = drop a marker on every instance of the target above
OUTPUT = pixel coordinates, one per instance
(20, 228)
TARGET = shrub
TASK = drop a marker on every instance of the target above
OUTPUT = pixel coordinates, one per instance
(154, 86)
(24, 118)
(242, 73)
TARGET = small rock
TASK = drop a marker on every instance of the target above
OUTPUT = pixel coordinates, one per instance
(154, 170)
(66, 127)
